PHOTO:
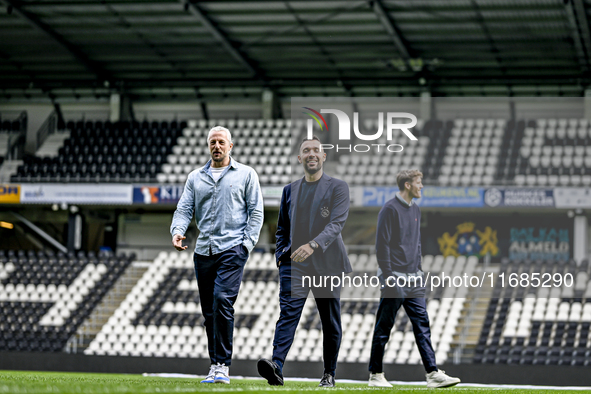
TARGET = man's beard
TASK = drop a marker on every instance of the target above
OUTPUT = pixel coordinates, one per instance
(220, 158)
(313, 171)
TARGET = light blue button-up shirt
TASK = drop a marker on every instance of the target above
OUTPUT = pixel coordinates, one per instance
(228, 212)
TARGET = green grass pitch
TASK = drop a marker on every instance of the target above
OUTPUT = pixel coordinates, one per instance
(16, 382)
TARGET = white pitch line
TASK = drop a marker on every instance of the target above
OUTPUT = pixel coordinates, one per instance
(394, 382)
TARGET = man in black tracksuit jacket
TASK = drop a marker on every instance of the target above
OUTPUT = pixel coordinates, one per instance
(398, 248)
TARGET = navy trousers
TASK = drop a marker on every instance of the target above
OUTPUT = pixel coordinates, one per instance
(292, 297)
(218, 279)
(416, 309)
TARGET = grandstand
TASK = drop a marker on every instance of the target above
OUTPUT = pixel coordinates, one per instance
(105, 110)
(467, 152)
(45, 297)
(262, 144)
(541, 327)
(97, 152)
(160, 315)
(71, 302)
(103, 305)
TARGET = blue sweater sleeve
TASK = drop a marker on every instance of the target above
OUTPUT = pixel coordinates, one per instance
(420, 250)
(387, 224)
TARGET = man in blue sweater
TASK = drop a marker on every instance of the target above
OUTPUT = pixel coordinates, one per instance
(398, 248)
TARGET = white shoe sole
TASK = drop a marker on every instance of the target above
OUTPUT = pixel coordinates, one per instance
(371, 384)
(444, 384)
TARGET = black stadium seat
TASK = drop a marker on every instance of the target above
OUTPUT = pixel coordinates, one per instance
(95, 143)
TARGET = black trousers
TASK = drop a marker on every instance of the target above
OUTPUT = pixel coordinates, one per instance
(218, 278)
(416, 309)
(292, 297)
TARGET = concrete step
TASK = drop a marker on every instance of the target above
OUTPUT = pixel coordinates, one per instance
(470, 338)
(470, 323)
(466, 355)
(9, 168)
(52, 144)
(109, 304)
(480, 312)
(5, 138)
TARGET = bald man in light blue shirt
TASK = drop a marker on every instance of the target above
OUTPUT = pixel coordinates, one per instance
(225, 198)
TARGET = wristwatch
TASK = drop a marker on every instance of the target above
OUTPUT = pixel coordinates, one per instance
(313, 245)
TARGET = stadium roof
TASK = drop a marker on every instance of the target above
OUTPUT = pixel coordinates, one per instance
(172, 48)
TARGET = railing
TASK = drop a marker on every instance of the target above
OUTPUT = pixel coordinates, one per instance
(16, 141)
(72, 345)
(48, 127)
(459, 351)
(93, 324)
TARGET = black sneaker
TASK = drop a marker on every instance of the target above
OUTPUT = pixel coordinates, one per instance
(327, 381)
(270, 370)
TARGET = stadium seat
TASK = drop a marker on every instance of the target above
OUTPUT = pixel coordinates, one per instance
(55, 302)
(95, 146)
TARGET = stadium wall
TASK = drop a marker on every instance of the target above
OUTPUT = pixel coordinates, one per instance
(251, 108)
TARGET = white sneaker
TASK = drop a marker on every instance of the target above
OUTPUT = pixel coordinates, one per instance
(210, 375)
(438, 379)
(222, 373)
(378, 380)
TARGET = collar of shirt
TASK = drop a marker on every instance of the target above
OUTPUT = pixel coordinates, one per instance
(207, 167)
(402, 200)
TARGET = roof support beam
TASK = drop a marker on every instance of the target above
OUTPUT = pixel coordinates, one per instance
(33, 81)
(17, 65)
(577, 17)
(215, 31)
(303, 24)
(321, 48)
(392, 29)
(94, 68)
(493, 47)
